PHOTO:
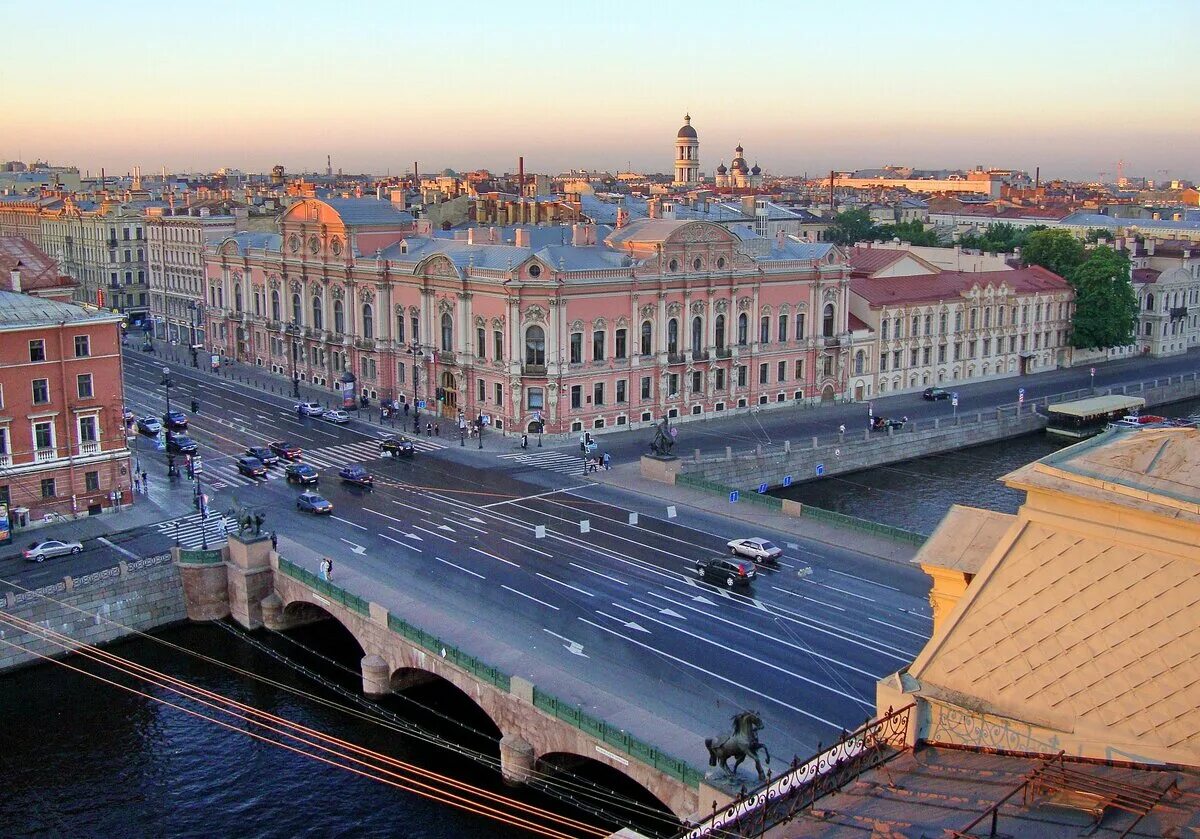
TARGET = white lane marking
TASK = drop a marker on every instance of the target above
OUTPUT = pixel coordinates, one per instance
(899, 628)
(573, 647)
(410, 506)
(406, 534)
(431, 533)
(526, 547)
(464, 524)
(917, 614)
(384, 515)
(355, 548)
(530, 597)
(841, 590)
(346, 521)
(498, 558)
(118, 548)
(748, 657)
(718, 676)
(438, 526)
(402, 544)
(809, 599)
(864, 580)
(564, 585)
(597, 573)
(625, 623)
(527, 497)
(460, 568)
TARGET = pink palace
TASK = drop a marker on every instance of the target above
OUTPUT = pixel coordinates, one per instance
(561, 329)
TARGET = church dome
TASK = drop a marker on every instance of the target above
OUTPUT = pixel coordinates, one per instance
(739, 165)
(739, 150)
(755, 170)
(721, 170)
(687, 132)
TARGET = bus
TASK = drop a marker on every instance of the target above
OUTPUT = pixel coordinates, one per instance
(1088, 417)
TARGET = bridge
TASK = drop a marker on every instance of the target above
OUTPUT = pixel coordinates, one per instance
(257, 587)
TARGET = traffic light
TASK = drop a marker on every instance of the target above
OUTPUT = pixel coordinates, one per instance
(441, 394)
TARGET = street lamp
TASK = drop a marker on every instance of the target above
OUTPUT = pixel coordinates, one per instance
(193, 318)
(414, 349)
(293, 331)
(171, 471)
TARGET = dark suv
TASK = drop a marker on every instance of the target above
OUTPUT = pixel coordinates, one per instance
(933, 394)
(397, 446)
(264, 454)
(726, 570)
(175, 420)
(179, 444)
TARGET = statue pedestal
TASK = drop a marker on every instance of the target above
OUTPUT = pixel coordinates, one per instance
(251, 578)
(661, 468)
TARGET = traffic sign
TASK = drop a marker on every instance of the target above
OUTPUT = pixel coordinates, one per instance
(787, 480)
(733, 496)
(820, 469)
(537, 416)
(762, 487)
(1093, 371)
(954, 401)
(197, 464)
(1021, 395)
(420, 404)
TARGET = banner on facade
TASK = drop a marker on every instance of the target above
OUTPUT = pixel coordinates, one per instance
(348, 399)
(5, 527)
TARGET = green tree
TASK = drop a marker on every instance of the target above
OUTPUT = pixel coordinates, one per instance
(852, 226)
(1056, 250)
(1105, 306)
(1095, 234)
(999, 238)
(912, 232)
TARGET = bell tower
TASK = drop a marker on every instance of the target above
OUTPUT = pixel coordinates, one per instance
(687, 155)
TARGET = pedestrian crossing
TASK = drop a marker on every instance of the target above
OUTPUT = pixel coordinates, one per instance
(563, 462)
(222, 473)
(192, 532)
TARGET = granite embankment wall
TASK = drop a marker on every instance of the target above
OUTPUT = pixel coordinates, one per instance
(92, 609)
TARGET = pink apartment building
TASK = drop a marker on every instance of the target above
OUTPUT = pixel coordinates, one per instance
(602, 328)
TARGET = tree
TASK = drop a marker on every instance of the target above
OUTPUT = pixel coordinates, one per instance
(1095, 234)
(852, 226)
(1106, 308)
(912, 232)
(1056, 250)
(999, 238)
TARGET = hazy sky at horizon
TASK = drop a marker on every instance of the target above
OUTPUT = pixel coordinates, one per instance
(804, 86)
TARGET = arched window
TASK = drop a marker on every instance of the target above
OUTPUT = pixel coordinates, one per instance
(1149, 302)
(860, 360)
(339, 317)
(720, 325)
(743, 328)
(673, 336)
(237, 297)
(447, 332)
(368, 321)
(297, 315)
(535, 345)
(764, 329)
(697, 334)
(827, 321)
(647, 336)
(317, 320)
(987, 318)
(275, 315)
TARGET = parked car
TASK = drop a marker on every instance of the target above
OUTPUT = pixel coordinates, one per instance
(310, 409)
(759, 550)
(251, 467)
(38, 551)
(397, 446)
(268, 457)
(730, 572)
(301, 473)
(180, 444)
(175, 420)
(356, 475)
(286, 449)
(149, 425)
(884, 423)
(935, 393)
(310, 502)
(336, 416)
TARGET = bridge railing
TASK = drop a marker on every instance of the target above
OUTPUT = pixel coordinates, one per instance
(201, 557)
(335, 593)
(450, 653)
(618, 738)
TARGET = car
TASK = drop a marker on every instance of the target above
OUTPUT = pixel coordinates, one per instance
(756, 549)
(310, 409)
(310, 502)
(356, 475)
(175, 420)
(730, 572)
(39, 551)
(285, 449)
(180, 444)
(251, 467)
(149, 425)
(336, 416)
(268, 457)
(301, 473)
(397, 446)
(935, 393)
(879, 423)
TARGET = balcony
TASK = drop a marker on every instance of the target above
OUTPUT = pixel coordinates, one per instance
(675, 358)
(45, 455)
(87, 447)
(699, 355)
(533, 370)
(831, 341)
(724, 352)
(367, 344)
(446, 357)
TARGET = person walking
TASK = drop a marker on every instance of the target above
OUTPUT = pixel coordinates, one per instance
(328, 569)
(137, 484)
(428, 429)
(274, 541)
(607, 461)
(145, 486)
(322, 572)
(437, 429)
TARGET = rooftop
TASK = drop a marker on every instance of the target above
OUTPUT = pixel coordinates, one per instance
(949, 285)
(364, 212)
(38, 270)
(22, 310)
(964, 538)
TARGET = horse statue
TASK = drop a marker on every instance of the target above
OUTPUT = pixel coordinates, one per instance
(741, 744)
(663, 442)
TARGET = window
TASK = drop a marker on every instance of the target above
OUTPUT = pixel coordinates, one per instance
(763, 371)
(535, 346)
(497, 345)
(414, 324)
(447, 332)
(577, 348)
(534, 397)
(800, 326)
(297, 315)
(598, 345)
(942, 324)
(275, 312)
(987, 318)
(883, 330)
(576, 396)
(929, 324)
(958, 321)
(941, 353)
(237, 297)
(48, 488)
(912, 357)
(720, 379)
(645, 388)
(781, 371)
(622, 343)
(974, 318)
(916, 326)
(925, 352)
(481, 342)
(697, 381)
(41, 391)
(91, 481)
(673, 385)
(368, 321)
(783, 327)
(764, 330)
(598, 393)
(883, 359)
(498, 394)
(89, 431)
(83, 385)
(43, 435)
(647, 334)
(37, 350)
(827, 322)
(673, 336)
(481, 391)
(339, 317)
(720, 330)
(621, 388)
(1000, 316)
(895, 359)
(318, 321)
(83, 346)
(860, 362)
(827, 365)
(742, 328)
(742, 375)
(697, 334)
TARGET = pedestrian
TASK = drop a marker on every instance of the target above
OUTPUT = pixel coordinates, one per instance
(329, 569)
(144, 487)
(406, 409)
(137, 484)
(607, 461)
(842, 429)
(322, 573)
(524, 441)
(274, 540)
(437, 430)
(428, 429)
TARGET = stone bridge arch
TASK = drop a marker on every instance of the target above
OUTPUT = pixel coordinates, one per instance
(604, 775)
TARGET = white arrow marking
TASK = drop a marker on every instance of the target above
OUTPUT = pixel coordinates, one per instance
(445, 527)
(700, 598)
(476, 519)
(358, 549)
(413, 536)
(669, 613)
(573, 647)
(794, 546)
(637, 626)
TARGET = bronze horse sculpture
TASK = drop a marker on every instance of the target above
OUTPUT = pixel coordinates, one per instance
(741, 744)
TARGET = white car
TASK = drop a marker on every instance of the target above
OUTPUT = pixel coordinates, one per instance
(39, 551)
(759, 550)
(336, 416)
(310, 409)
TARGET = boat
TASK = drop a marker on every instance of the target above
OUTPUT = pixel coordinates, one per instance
(1088, 417)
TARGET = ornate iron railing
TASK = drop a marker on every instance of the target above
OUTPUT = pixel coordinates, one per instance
(780, 799)
(335, 593)
(450, 653)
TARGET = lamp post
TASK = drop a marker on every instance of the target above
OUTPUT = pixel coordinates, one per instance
(293, 330)
(193, 317)
(479, 427)
(414, 349)
(166, 382)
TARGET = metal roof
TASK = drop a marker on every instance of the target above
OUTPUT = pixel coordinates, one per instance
(21, 310)
(368, 211)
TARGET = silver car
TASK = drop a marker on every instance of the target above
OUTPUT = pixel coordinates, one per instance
(39, 551)
(310, 409)
(756, 549)
(336, 416)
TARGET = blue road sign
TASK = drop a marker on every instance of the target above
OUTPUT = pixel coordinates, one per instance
(733, 496)
(420, 404)
(820, 469)
(787, 480)
(762, 487)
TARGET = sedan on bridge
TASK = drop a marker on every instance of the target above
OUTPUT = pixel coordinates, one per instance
(39, 551)
(933, 394)
(756, 549)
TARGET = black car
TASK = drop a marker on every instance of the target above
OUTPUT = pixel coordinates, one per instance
(175, 420)
(180, 444)
(251, 467)
(397, 446)
(268, 457)
(726, 570)
(356, 475)
(301, 473)
(935, 393)
(285, 449)
(884, 423)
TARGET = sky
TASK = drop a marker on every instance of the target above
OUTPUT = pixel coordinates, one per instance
(1072, 87)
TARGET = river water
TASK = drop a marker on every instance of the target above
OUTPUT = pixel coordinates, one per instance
(916, 494)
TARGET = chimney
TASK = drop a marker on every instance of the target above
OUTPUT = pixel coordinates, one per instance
(1132, 246)
(591, 234)
(668, 210)
(15, 276)
(470, 235)
(780, 239)
(1149, 247)
(578, 235)
(379, 192)
(521, 237)
(652, 208)
(748, 205)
